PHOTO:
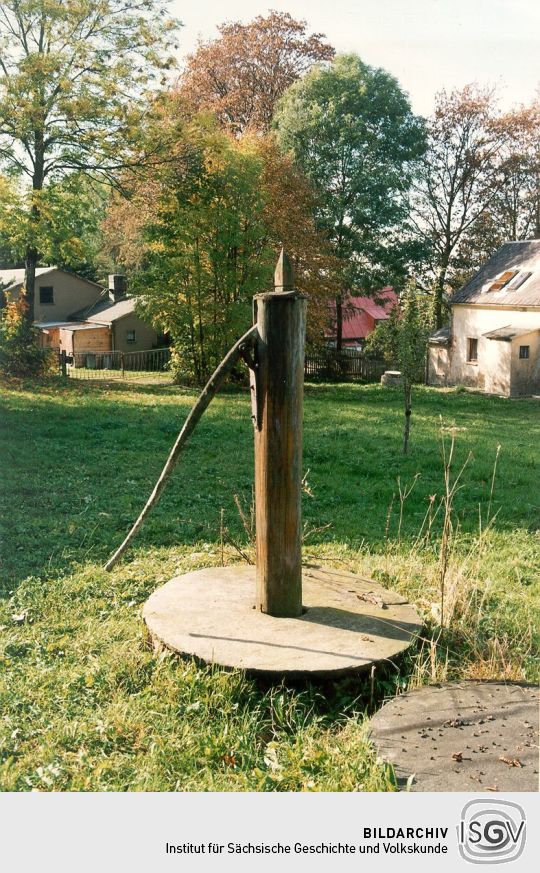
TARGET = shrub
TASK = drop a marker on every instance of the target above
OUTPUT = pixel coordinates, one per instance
(20, 353)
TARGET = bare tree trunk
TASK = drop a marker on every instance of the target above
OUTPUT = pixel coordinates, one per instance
(340, 296)
(439, 296)
(30, 264)
(439, 312)
(32, 254)
(537, 208)
(339, 323)
(407, 391)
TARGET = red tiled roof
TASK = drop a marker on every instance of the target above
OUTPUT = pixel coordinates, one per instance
(357, 324)
(360, 314)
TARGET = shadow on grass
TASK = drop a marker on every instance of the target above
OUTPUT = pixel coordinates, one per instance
(329, 701)
(80, 460)
(126, 386)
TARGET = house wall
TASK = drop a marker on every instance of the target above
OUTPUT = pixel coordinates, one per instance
(71, 293)
(525, 373)
(49, 339)
(145, 336)
(495, 366)
(493, 369)
(438, 365)
(65, 341)
(95, 340)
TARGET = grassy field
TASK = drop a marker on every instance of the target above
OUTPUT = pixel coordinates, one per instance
(84, 702)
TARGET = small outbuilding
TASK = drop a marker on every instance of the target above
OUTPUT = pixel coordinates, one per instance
(360, 316)
(113, 320)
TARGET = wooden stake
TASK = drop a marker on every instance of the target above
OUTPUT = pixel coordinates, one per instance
(284, 275)
(281, 323)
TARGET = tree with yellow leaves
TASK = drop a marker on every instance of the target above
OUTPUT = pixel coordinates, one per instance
(73, 75)
(200, 235)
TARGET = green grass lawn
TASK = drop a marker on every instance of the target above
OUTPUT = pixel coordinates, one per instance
(84, 702)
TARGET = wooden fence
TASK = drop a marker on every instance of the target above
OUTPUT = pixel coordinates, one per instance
(327, 365)
(330, 365)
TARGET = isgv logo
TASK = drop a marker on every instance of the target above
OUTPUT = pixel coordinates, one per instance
(491, 831)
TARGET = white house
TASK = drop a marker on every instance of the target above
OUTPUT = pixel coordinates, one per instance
(493, 340)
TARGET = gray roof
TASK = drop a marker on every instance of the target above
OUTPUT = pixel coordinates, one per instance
(13, 277)
(523, 256)
(441, 337)
(106, 311)
(508, 332)
(45, 324)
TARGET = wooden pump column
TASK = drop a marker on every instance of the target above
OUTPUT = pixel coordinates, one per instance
(279, 386)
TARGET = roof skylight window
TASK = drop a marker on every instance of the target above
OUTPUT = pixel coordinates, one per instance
(503, 280)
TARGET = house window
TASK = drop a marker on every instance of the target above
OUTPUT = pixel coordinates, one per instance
(472, 349)
(46, 295)
(524, 353)
(130, 336)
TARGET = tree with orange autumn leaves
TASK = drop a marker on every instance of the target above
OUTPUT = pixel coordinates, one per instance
(201, 228)
(200, 233)
(204, 220)
(242, 74)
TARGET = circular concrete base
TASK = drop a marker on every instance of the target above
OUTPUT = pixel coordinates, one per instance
(349, 623)
(464, 736)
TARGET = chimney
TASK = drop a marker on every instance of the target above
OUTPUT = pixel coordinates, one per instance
(117, 287)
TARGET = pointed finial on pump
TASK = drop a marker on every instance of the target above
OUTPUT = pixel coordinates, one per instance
(284, 275)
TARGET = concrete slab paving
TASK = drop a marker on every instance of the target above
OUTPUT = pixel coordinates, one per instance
(349, 623)
(462, 736)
